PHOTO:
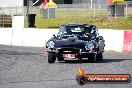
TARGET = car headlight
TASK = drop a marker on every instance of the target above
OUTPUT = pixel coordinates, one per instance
(89, 46)
(51, 44)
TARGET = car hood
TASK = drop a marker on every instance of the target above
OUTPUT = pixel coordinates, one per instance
(70, 43)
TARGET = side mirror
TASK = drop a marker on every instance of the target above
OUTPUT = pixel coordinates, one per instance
(54, 36)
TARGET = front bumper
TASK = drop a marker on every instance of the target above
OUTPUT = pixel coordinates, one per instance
(79, 53)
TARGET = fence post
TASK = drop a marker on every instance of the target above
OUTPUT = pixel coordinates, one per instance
(91, 4)
(3, 20)
(84, 10)
(17, 30)
(12, 31)
(74, 10)
(48, 13)
(94, 10)
(115, 10)
(27, 11)
(106, 10)
(126, 9)
(65, 11)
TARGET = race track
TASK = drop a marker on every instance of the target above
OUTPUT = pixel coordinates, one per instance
(27, 67)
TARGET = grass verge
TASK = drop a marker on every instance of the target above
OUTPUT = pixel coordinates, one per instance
(120, 23)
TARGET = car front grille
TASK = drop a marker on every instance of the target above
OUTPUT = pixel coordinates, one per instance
(68, 51)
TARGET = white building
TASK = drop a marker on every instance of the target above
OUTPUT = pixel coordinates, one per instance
(11, 3)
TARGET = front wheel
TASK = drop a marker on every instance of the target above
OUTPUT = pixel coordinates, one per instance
(51, 58)
(92, 58)
(99, 57)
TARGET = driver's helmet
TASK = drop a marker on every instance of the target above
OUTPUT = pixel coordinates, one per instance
(94, 31)
(87, 32)
(91, 31)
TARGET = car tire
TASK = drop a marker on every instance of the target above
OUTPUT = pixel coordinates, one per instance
(99, 57)
(92, 58)
(51, 58)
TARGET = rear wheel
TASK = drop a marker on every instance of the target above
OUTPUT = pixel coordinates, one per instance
(99, 57)
(51, 58)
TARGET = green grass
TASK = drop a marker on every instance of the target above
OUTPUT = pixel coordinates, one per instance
(120, 23)
(83, 16)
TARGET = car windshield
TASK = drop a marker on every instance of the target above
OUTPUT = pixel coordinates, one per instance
(75, 30)
(86, 31)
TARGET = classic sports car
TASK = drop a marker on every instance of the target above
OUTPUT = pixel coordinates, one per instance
(76, 41)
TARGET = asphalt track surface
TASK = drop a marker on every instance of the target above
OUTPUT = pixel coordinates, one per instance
(27, 67)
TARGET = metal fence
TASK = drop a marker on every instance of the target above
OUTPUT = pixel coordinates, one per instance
(71, 10)
(18, 10)
(85, 10)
